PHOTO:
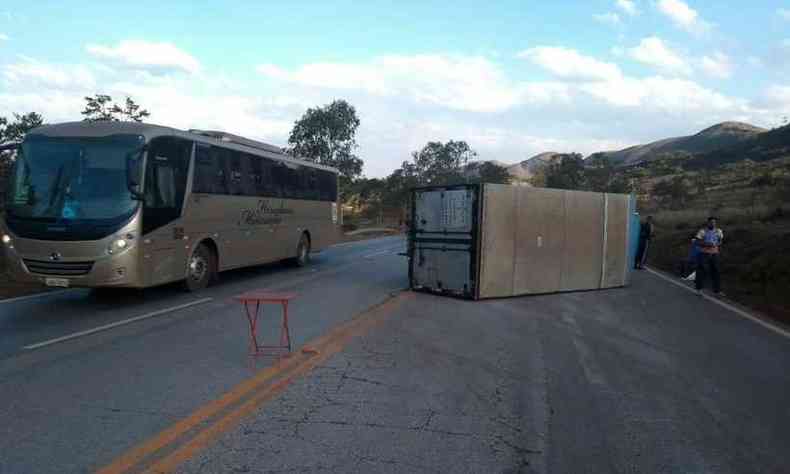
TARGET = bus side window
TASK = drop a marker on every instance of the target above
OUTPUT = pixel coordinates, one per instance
(282, 180)
(310, 180)
(236, 173)
(220, 181)
(204, 170)
(269, 185)
(255, 182)
(327, 183)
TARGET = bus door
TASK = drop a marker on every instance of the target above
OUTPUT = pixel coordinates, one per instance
(164, 237)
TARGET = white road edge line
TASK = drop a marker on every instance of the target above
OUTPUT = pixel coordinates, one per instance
(37, 295)
(738, 311)
(376, 254)
(345, 244)
(356, 242)
(87, 332)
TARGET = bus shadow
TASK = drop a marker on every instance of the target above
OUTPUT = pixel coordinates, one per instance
(108, 304)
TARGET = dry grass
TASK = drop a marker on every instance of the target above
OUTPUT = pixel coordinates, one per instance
(755, 262)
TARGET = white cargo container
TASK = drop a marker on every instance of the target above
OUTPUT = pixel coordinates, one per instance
(490, 241)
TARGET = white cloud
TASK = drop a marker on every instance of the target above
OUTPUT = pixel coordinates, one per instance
(568, 63)
(591, 105)
(663, 94)
(457, 82)
(778, 94)
(783, 13)
(717, 65)
(654, 52)
(609, 18)
(146, 55)
(59, 76)
(683, 16)
(628, 6)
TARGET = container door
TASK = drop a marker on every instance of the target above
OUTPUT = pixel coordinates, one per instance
(443, 243)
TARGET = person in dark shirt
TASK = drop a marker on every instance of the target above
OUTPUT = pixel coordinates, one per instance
(645, 235)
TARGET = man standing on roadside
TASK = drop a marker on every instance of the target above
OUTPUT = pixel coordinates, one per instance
(710, 240)
(645, 235)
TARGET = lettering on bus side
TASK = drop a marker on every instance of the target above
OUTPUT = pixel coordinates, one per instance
(264, 213)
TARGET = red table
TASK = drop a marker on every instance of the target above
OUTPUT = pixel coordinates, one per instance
(254, 299)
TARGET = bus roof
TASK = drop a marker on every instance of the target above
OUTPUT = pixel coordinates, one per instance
(150, 131)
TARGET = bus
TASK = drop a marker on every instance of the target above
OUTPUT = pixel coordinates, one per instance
(126, 204)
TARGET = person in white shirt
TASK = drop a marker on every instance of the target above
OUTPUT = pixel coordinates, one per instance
(710, 240)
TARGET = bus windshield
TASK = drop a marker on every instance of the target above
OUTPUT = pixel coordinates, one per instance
(73, 179)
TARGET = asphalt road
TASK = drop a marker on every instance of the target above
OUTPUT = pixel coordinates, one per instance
(76, 405)
(648, 378)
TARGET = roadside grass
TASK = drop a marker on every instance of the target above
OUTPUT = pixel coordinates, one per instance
(755, 259)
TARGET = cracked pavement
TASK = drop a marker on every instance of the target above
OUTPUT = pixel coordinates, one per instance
(404, 399)
(644, 379)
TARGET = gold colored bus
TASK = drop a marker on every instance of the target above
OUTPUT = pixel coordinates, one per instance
(124, 204)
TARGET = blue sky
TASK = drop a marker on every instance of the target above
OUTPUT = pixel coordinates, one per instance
(512, 78)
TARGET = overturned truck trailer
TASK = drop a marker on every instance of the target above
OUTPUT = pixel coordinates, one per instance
(490, 240)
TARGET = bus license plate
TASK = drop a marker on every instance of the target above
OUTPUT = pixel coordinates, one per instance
(57, 282)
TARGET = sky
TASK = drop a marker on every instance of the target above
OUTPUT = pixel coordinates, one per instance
(512, 78)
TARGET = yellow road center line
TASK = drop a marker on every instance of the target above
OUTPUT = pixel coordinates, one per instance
(284, 372)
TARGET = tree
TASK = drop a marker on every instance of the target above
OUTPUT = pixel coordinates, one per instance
(567, 172)
(326, 135)
(493, 173)
(673, 191)
(538, 178)
(599, 173)
(13, 132)
(398, 186)
(442, 163)
(101, 108)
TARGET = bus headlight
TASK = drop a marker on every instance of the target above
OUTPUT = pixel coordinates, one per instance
(6, 239)
(117, 245)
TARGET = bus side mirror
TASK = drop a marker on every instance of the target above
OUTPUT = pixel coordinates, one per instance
(134, 173)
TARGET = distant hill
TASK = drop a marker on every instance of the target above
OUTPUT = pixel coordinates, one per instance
(725, 142)
(521, 171)
(472, 169)
(719, 136)
(526, 169)
(761, 147)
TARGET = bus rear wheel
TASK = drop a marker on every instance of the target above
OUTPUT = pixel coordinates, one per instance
(302, 251)
(201, 268)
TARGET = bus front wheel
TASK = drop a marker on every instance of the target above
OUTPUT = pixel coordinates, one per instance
(201, 268)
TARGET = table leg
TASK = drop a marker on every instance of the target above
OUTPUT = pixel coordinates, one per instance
(253, 320)
(286, 330)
